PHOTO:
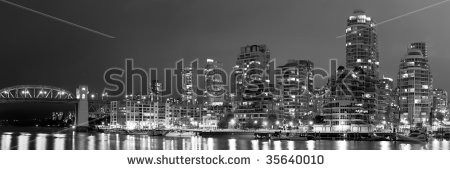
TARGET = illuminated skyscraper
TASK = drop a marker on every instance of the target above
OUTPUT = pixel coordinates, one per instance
(342, 111)
(387, 103)
(362, 55)
(361, 43)
(250, 99)
(440, 104)
(155, 90)
(296, 83)
(217, 100)
(422, 46)
(187, 94)
(415, 84)
(213, 93)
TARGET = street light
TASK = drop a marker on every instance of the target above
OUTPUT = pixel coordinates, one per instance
(277, 122)
(255, 122)
(232, 122)
(311, 122)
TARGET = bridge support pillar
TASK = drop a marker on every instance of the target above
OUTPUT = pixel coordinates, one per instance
(82, 122)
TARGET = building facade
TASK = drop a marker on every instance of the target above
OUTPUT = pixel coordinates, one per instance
(251, 99)
(387, 105)
(296, 83)
(440, 105)
(414, 85)
(217, 98)
(343, 111)
(362, 53)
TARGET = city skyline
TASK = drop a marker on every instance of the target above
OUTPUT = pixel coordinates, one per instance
(234, 75)
(89, 61)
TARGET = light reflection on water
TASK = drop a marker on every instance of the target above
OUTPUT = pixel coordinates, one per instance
(290, 145)
(41, 141)
(23, 141)
(232, 144)
(310, 145)
(341, 145)
(384, 145)
(60, 140)
(102, 141)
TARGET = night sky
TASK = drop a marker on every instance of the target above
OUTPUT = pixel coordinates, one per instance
(38, 50)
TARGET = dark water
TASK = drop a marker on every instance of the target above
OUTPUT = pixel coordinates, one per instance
(52, 139)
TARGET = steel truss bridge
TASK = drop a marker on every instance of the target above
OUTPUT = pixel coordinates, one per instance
(50, 94)
(35, 93)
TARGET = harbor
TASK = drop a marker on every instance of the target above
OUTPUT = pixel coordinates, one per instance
(57, 139)
(293, 135)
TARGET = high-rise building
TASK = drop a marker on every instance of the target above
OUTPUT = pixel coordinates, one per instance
(155, 90)
(319, 99)
(296, 82)
(422, 46)
(214, 95)
(187, 95)
(217, 100)
(387, 104)
(251, 100)
(414, 85)
(440, 104)
(361, 43)
(342, 111)
(362, 55)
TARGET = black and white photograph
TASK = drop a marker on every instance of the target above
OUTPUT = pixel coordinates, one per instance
(264, 82)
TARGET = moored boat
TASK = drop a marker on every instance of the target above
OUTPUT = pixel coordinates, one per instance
(278, 136)
(157, 132)
(137, 132)
(373, 137)
(262, 136)
(180, 134)
(413, 137)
